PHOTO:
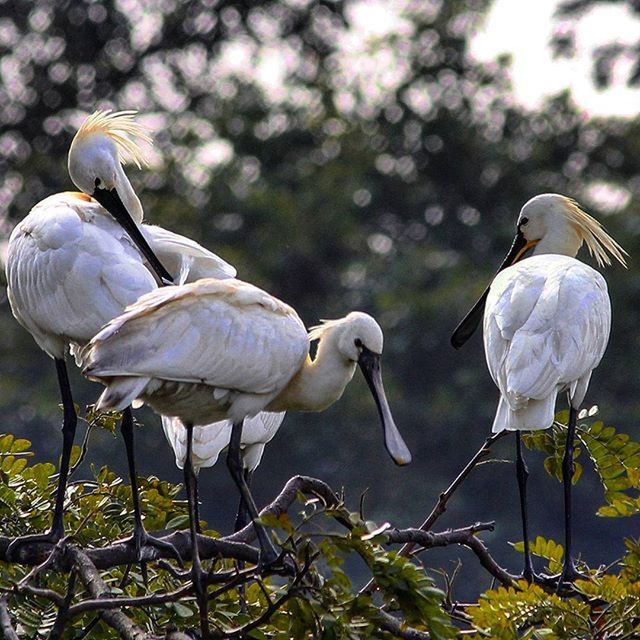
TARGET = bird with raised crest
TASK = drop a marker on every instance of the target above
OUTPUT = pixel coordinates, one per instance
(547, 319)
(78, 259)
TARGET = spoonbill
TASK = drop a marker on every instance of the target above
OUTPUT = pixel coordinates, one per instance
(211, 439)
(546, 327)
(71, 267)
(219, 349)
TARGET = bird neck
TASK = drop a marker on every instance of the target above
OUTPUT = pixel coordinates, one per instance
(128, 196)
(319, 382)
(566, 243)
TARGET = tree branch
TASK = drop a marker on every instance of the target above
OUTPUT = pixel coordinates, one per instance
(400, 629)
(288, 495)
(464, 536)
(6, 626)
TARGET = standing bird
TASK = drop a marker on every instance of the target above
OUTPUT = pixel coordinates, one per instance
(219, 349)
(71, 267)
(546, 327)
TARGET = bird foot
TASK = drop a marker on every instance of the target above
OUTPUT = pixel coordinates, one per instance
(141, 539)
(52, 537)
(568, 576)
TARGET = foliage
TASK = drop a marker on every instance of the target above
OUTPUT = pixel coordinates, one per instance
(315, 598)
(615, 458)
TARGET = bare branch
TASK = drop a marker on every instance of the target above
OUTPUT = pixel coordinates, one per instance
(295, 485)
(464, 536)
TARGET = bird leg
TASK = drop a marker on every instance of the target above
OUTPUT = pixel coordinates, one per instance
(69, 423)
(522, 473)
(268, 553)
(140, 537)
(242, 517)
(198, 575)
(242, 520)
(569, 571)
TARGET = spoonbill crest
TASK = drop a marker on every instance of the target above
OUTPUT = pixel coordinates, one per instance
(219, 349)
(546, 327)
(71, 267)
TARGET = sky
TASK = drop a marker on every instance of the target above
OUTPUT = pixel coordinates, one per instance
(523, 29)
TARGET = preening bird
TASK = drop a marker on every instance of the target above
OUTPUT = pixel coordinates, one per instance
(219, 349)
(546, 327)
(73, 264)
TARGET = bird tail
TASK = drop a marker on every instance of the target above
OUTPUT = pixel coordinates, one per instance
(536, 414)
(121, 392)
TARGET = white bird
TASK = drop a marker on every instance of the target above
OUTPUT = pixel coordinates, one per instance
(71, 267)
(226, 349)
(210, 440)
(546, 327)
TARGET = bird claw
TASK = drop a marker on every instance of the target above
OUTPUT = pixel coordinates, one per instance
(140, 539)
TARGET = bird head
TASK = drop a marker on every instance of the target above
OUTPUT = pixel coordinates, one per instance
(104, 142)
(552, 223)
(359, 340)
(548, 223)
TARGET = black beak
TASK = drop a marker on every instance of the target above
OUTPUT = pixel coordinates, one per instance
(470, 322)
(111, 201)
(370, 365)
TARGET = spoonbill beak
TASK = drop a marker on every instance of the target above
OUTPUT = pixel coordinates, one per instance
(470, 322)
(111, 201)
(369, 363)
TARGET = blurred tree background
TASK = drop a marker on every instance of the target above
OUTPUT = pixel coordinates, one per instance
(343, 156)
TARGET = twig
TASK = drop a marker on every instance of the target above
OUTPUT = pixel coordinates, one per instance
(63, 611)
(295, 485)
(441, 505)
(399, 628)
(6, 627)
(445, 496)
(464, 536)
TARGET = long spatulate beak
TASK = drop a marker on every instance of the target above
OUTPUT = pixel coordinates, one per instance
(470, 322)
(111, 201)
(369, 363)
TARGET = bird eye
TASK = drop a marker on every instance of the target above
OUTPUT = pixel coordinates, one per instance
(358, 343)
(97, 182)
(524, 221)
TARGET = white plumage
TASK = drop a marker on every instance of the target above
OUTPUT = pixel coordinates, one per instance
(224, 348)
(210, 440)
(546, 327)
(71, 266)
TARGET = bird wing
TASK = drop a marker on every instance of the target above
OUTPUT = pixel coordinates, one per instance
(185, 259)
(546, 325)
(224, 333)
(70, 269)
(209, 440)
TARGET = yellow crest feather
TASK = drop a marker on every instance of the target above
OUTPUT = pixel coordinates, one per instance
(598, 241)
(123, 130)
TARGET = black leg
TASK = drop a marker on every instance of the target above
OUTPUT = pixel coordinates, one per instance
(522, 473)
(198, 576)
(140, 537)
(69, 424)
(569, 571)
(196, 493)
(242, 517)
(236, 468)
